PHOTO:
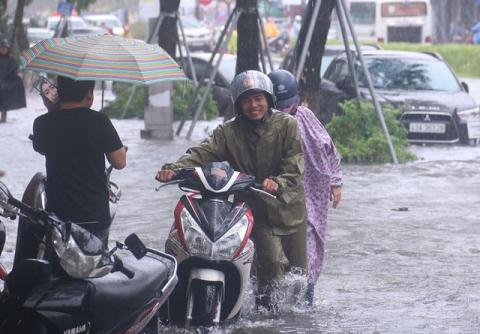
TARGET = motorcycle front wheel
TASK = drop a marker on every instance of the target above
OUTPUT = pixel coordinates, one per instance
(204, 303)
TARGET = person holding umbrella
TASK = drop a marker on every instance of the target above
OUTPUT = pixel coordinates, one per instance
(75, 141)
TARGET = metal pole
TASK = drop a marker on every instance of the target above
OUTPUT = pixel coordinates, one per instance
(376, 104)
(103, 93)
(351, 65)
(187, 50)
(154, 32)
(262, 56)
(308, 39)
(130, 97)
(265, 41)
(210, 62)
(210, 81)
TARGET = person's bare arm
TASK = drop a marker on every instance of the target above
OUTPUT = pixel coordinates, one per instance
(118, 158)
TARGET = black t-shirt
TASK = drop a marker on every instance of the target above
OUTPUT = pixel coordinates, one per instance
(74, 142)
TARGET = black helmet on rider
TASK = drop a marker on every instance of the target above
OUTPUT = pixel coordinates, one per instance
(249, 83)
(285, 88)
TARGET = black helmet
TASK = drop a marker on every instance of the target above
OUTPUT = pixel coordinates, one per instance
(285, 88)
(249, 83)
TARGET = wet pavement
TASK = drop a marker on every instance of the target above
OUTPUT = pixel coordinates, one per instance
(402, 249)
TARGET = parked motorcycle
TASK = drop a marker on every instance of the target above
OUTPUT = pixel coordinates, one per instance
(3, 271)
(79, 286)
(210, 238)
(29, 240)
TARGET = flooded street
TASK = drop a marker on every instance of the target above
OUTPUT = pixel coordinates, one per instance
(403, 248)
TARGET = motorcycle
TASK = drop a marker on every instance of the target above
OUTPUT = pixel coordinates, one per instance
(3, 271)
(79, 286)
(29, 242)
(210, 238)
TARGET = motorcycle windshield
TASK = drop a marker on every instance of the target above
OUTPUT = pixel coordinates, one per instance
(217, 174)
(216, 216)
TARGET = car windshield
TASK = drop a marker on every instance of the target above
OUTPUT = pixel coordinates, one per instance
(189, 22)
(111, 22)
(326, 61)
(409, 74)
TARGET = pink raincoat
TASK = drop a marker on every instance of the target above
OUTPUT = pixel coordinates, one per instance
(322, 170)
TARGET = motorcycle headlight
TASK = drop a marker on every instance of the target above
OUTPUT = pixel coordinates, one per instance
(227, 245)
(81, 254)
(197, 242)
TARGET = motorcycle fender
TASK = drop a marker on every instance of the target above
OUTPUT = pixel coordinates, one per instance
(204, 274)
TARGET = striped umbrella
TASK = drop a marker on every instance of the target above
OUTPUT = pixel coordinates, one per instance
(102, 57)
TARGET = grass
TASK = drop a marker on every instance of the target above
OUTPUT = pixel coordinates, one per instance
(463, 58)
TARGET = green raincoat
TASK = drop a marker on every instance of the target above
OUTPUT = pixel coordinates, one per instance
(271, 148)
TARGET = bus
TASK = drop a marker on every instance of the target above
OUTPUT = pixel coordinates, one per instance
(386, 21)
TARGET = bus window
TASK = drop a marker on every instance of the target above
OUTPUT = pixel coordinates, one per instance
(404, 9)
(363, 12)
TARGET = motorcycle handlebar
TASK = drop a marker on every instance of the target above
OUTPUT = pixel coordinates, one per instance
(258, 188)
(22, 206)
(119, 266)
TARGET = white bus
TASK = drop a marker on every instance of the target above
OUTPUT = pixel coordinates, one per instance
(392, 20)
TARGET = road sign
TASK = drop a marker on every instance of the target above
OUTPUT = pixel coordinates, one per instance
(65, 8)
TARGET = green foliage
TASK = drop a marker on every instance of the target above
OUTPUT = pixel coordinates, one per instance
(359, 137)
(182, 94)
(463, 58)
(83, 4)
(123, 90)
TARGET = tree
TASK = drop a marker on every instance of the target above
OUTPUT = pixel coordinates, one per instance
(310, 79)
(82, 4)
(18, 39)
(248, 40)
(3, 16)
(168, 33)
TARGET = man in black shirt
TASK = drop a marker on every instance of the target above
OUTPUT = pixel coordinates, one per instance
(75, 141)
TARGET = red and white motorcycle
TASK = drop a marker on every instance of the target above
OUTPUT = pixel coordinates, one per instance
(210, 238)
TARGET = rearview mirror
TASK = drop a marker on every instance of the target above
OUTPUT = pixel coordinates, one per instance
(465, 86)
(136, 246)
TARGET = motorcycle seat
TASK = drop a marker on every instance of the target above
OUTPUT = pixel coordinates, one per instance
(115, 293)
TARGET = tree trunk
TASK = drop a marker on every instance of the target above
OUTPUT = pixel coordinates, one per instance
(248, 40)
(3, 17)
(18, 40)
(441, 20)
(168, 33)
(310, 79)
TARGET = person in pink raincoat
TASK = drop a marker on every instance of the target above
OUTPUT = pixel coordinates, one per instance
(322, 180)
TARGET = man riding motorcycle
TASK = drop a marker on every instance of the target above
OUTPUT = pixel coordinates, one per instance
(265, 143)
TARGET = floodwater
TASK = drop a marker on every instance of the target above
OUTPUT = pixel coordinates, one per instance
(403, 248)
